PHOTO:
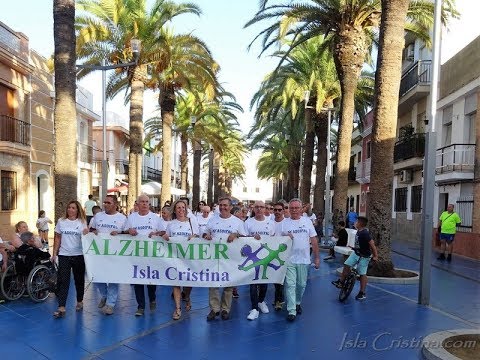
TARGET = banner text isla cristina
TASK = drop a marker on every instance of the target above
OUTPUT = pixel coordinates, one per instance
(173, 273)
(158, 249)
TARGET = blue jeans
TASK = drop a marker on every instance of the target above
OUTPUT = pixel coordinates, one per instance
(295, 283)
(109, 292)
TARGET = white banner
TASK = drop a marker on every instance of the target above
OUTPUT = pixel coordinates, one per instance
(125, 259)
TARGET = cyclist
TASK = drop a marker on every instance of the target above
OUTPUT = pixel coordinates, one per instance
(365, 247)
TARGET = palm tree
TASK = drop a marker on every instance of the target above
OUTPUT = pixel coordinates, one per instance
(105, 29)
(65, 104)
(389, 64)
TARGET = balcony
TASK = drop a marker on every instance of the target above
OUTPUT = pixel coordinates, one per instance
(408, 153)
(121, 167)
(414, 85)
(455, 163)
(14, 136)
(85, 153)
(151, 174)
(363, 171)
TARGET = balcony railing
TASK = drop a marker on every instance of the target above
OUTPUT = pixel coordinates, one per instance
(352, 174)
(85, 153)
(455, 157)
(14, 130)
(363, 171)
(121, 167)
(413, 146)
(419, 73)
(152, 174)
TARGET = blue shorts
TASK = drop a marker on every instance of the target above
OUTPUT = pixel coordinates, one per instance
(447, 237)
(362, 266)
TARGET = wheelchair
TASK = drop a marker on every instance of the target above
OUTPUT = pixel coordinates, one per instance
(39, 282)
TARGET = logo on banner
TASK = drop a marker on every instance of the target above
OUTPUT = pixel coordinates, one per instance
(264, 262)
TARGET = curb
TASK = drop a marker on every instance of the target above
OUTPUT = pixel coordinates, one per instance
(395, 281)
(432, 345)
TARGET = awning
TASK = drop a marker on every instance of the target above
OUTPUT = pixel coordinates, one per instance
(154, 188)
(122, 189)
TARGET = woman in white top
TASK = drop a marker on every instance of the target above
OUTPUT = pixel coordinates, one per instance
(42, 226)
(181, 226)
(67, 246)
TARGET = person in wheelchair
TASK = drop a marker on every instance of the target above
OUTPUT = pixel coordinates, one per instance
(29, 253)
(364, 248)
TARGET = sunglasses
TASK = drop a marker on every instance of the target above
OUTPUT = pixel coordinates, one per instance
(277, 209)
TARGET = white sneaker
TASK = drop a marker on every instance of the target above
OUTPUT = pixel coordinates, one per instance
(253, 314)
(263, 307)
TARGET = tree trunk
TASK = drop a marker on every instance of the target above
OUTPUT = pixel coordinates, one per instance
(167, 106)
(65, 115)
(210, 178)
(387, 85)
(228, 184)
(136, 137)
(216, 177)
(306, 185)
(183, 162)
(320, 191)
(197, 158)
(349, 55)
(293, 173)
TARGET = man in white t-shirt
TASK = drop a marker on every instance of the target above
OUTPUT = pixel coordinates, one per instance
(109, 221)
(89, 204)
(278, 213)
(227, 227)
(301, 230)
(144, 222)
(203, 218)
(259, 227)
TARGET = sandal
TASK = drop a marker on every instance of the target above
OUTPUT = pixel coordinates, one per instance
(177, 314)
(188, 305)
(79, 306)
(59, 314)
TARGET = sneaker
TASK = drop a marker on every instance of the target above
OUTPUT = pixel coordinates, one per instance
(153, 305)
(299, 309)
(360, 296)
(225, 315)
(102, 303)
(140, 312)
(338, 283)
(278, 305)
(107, 310)
(441, 257)
(449, 257)
(263, 307)
(253, 314)
(291, 317)
(329, 258)
(235, 293)
(212, 315)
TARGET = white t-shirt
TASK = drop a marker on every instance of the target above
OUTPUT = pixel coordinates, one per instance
(302, 230)
(144, 224)
(220, 228)
(183, 229)
(312, 217)
(202, 223)
(261, 227)
(43, 223)
(89, 204)
(106, 223)
(279, 227)
(164, 222)
(71, 236)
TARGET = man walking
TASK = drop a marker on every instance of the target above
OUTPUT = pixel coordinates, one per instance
(278, 211)
(352, 217)
(449, 220)
(89, 204)
(301, 230)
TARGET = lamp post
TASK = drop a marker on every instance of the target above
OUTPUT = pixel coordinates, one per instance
(429, 166)
(328, 213)
(135, 45)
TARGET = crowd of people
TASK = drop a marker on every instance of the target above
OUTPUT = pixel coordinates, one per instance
(222, 221)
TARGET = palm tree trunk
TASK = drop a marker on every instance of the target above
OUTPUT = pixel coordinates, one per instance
(216, 177)
(320, 191)
(387, 85)
(293, 173)
(183, 162)
(197, 158)
(349, 54)
(210, 178)
(306, 184)
(65, 105)
(167, 106)
(136, 137)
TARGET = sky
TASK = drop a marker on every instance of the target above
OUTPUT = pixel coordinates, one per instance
(221, 27)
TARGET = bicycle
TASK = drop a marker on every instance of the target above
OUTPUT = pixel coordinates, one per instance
(349, 281)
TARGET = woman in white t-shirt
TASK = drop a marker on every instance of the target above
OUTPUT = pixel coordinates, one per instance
(67, 246)
(181, 226)
(42, 226)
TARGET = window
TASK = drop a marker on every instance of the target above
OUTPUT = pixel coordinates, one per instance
(9, 190)
(359, 157)
(369, 143)
(401, 199)
(7, 97)
(416, 205)
(257, 190)
(244, 189)
(447, 125)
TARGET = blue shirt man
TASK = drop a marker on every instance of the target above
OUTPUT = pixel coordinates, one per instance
(352, 216)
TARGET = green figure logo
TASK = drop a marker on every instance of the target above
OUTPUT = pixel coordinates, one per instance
(265, 262)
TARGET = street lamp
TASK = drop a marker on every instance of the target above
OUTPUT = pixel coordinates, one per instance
(328, 213)
(135, 44)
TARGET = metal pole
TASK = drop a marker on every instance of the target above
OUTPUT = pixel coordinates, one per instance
(327, 214)
(429, 167)
(175, 156)
(104, 133)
